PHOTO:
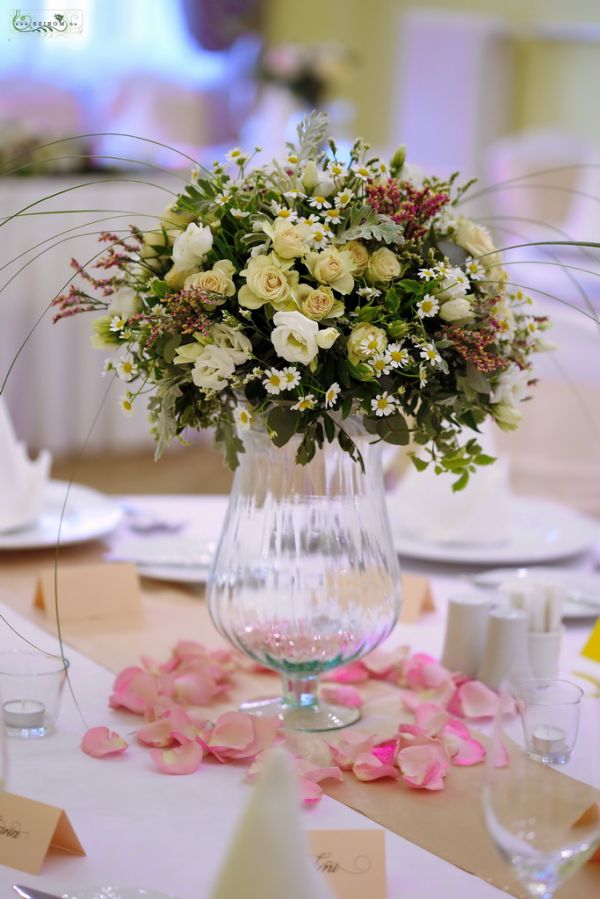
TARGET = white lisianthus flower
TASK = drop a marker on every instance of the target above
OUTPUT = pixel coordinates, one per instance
(289, 240)
(124, 302)
(333, 267)
(213, 368)
(233, 341)
(511, 387)
(297, 338)
(506, 416)
(192, 245)
(455, 310)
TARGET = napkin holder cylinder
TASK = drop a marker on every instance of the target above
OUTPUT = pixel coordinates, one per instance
(466, 633)
(506, 650)
(22, 480)
(544, 652)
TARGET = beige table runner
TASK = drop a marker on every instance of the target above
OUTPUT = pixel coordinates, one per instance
(447, 824)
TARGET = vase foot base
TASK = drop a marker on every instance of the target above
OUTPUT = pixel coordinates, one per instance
(319, 716)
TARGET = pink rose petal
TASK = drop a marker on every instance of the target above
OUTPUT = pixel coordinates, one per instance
(423, 767)
(342, 694)
(431, 717)
(237, 735)
(368, 767)
(100, 741)
(183, 759)
(354, 673)
(316, 773)
(474, 700)
(386, 752)
(423, 671)
(135, 690)
(349, 746)
(310, 792)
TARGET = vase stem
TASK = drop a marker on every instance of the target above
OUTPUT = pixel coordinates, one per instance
(300, 692)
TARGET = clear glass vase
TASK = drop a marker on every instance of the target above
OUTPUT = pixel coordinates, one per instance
(305, 577)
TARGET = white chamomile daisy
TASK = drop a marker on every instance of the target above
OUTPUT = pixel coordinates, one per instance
(370, 292)
(274, 381)
(442, 268)
(283, 212)
(256, 373)
(422, 376)
(363, 172)
(117, 323)
(397, 355)
(427, 274)
(380, 168)
(320, 236)
(474, 269)
(342, 198)
(238, 213)
(293, 195)
(333, 216)
(291, 377)
(312, 219)
(223, 198)
(292, 159)
(108, 366)
(428, 306)
(126, 403)
(383, 404)
(336, 169)
(430, 354)
(372, 344)
(126, 368)
(381, 364)
(307, 402)
(242, 418)
(319, 202)
(236, 155)
(331, 395)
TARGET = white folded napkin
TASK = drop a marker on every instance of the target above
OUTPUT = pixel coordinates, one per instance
(424, 507)
(22, 480)
(269, 857)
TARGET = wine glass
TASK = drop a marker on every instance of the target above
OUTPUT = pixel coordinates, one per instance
(542, 809)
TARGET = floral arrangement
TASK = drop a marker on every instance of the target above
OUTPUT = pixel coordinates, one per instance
(417, 749)
(302, 292)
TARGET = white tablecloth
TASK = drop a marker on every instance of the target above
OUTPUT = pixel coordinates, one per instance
(147, 829)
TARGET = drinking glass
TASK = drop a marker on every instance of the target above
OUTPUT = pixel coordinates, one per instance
(542, 808)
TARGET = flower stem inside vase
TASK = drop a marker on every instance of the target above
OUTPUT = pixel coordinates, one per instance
(299, 708)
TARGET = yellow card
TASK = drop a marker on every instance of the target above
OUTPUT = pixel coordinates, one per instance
(28, 829)
(591, 650)
(416, 598)
(109, 591)
(353, 861)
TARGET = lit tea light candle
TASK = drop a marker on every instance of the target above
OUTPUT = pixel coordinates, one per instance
(23, 713)
(547, 739)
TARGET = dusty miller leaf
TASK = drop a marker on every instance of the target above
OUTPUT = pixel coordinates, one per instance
(311, 132)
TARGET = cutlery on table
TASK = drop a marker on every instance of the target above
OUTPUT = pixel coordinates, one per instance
(31, 893)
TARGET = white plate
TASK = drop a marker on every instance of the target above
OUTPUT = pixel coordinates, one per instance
(108, 892)
(540, 531)
(191, 575)
(88, 515)
(179, 558)
(583, 587)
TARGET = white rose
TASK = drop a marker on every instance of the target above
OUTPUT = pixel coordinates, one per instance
(175, 219)
(124, 303)
(213, 368)
(176, 277)
(332, 267)
(217, 280)
(360, 256)
(318, 303)
(289, 241)
(383, 265)
(192, 245)
(237, 344)
(153, 243)
(454, 310)
(476, 240)
(297, 339)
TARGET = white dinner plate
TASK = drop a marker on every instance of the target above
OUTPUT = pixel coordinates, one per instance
(582, 598)
(179, 558)
(88, 515)
(108, 892)
(540, 532)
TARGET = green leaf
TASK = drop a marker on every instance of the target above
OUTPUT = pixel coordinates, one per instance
(307, 448)
(372, 227)
(170, 347)
(347, 407)
(371, 425)
(392, 300)
(476, 380)
(329, 425)
(368, 314)
(394, 429)
(284, 423)
(461, 483)
(361, 371)
(482, 459)
(420, 464)
(311, 132)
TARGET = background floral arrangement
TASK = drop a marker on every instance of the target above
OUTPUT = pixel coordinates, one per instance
(309, 73)
(301, 292)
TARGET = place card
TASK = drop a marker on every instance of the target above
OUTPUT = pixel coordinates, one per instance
(352, 861)
(28, 829)
(106, 592)
(417, 598)
(591, 650)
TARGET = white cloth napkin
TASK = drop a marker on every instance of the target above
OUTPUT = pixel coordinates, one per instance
(268, 857)
(22, 480)
(424, 507)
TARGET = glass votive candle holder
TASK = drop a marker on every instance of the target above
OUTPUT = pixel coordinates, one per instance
(549, 710)
(30, 687)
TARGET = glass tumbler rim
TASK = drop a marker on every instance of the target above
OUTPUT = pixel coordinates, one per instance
(524, 682)
(63, 663)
